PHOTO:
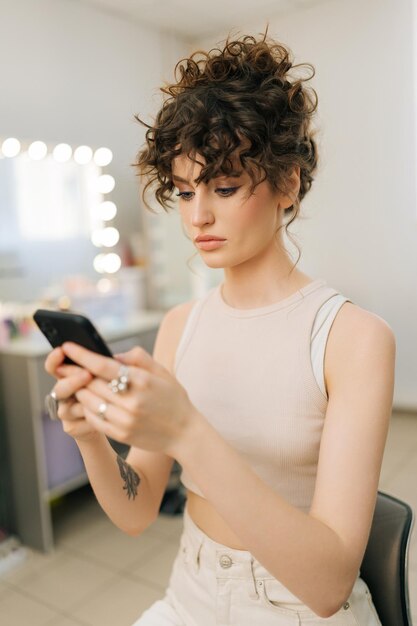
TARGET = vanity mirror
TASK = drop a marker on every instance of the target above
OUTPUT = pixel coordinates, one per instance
(55, 215)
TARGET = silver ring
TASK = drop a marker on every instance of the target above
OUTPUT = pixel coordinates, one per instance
(51, 405)
(121, 383)
(102, 410)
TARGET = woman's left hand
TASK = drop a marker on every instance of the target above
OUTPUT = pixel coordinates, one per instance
(154, 411)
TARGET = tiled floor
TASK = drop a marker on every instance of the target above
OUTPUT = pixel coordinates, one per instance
(97, 576)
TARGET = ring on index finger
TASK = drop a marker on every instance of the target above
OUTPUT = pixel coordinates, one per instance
(121, 383)
(51, 405)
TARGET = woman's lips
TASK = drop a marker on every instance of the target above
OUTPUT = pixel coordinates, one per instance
(211, 244)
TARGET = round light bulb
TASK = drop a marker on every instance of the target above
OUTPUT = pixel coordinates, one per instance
(104, 285)
(110, 236)
(37, 150)
(105, 183)
(103, 156)
(98, 263)
(112, 263)
(10, 147)
(62, 153)
(96, 238)
(83, 155)
(107, 210)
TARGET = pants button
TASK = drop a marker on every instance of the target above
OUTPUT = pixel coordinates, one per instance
(225, 561)
(346, 606)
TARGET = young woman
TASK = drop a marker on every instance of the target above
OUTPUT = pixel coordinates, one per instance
(274, 391)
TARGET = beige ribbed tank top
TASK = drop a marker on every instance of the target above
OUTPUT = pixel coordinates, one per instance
(250, 372)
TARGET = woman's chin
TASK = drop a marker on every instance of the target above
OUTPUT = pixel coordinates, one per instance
(212, 264)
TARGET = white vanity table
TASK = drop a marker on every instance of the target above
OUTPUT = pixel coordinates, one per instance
(45, 462)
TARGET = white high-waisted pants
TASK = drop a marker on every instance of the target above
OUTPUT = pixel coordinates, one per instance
(214, 585)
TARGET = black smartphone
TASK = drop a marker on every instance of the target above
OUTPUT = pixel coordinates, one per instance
(61, 326)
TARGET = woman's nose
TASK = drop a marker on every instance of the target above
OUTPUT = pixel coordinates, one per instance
(201, 213)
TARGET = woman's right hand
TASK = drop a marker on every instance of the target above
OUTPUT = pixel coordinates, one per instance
(70, 378)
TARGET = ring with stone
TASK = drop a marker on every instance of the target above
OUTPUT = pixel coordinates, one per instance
(121, 383)
(101, 412)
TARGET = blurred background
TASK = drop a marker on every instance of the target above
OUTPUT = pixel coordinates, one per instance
(74, 234)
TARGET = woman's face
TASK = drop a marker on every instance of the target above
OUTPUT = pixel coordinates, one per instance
(224, 208)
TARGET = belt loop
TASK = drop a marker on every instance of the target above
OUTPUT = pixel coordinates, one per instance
(197, 555)
(252, 590)
(196, 549)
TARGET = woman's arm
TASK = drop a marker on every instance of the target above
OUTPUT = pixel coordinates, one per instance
(316, 555)
(121, 489)
(128, 490)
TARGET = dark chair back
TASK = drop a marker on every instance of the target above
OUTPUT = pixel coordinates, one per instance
(385, 563)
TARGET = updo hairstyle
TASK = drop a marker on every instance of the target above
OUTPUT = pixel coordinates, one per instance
(239, 97)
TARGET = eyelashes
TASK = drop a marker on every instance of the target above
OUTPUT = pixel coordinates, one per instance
(185, 195)
(223, 192)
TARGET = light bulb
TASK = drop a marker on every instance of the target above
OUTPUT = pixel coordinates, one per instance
(98, 263)
(10, 147)
(96, 238)
(104, 285)
(107, 210)
(62, 153)
(105, 183)
(110, 236)
(103, 156)
(83, 155)
(111, 263)
(37, 150)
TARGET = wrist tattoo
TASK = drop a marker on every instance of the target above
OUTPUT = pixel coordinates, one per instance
(131, 479)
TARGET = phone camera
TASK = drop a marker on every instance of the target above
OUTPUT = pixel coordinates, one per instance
(49, 331)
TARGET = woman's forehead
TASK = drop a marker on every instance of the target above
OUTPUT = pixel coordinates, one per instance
(189, 167)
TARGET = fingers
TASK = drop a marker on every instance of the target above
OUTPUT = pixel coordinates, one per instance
(68, 370)
(76, 410)
(140, 380)
(70, 410)
(91, 402)
(105, 426)
(54, 360)
(108, 368)
(102, 366)
(66, 387)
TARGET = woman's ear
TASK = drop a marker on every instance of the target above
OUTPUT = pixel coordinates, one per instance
(293, 184)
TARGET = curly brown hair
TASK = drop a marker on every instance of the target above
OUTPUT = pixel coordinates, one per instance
(238, 99)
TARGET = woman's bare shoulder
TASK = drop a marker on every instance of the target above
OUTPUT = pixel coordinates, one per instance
(353, 318)
(355, 329)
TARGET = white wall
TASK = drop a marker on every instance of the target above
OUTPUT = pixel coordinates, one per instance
(71, 73)
(361, 228)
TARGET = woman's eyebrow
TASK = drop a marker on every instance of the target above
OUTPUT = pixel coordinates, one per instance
(183, 180)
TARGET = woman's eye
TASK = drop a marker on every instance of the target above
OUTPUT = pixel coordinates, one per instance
(226, 191)
(185, 195)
